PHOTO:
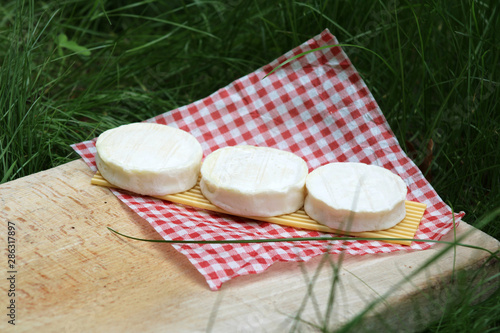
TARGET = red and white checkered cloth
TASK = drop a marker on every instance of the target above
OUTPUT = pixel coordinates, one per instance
(317, 107)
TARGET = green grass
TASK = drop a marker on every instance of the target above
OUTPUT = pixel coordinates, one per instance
(72, 69)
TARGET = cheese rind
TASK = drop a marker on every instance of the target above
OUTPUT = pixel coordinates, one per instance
(149, 159)
(254, 181)
(355, 197)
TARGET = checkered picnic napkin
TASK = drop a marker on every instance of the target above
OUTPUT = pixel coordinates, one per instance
(316, 106)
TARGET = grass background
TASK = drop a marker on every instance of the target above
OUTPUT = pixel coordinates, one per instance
(72, 69)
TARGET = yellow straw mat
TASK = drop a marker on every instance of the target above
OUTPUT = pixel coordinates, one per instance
(402, 233)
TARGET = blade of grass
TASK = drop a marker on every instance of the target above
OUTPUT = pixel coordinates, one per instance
(296, 239)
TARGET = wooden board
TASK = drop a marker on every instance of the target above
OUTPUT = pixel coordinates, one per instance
(73, 275)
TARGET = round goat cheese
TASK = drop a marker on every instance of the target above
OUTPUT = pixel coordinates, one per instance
(355, 197)
(254, 181)
(149, 159)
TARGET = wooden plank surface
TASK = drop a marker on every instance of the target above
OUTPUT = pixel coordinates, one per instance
(73, 275)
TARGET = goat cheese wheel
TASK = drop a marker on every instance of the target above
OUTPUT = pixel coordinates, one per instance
(254, 181)
(149, 159)
(355, 197)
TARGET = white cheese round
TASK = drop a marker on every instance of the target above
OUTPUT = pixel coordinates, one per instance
(254, 181)
(149, 159)
(355, 197)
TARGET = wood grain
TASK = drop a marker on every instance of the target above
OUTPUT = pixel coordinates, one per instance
(73, 275)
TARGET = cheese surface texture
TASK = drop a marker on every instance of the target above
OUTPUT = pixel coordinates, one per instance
(355, 197)
(254, 181)
(149, 159)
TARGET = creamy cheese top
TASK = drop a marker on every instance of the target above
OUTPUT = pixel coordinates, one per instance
(254, 169)
(148, 146)
(356, 187)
